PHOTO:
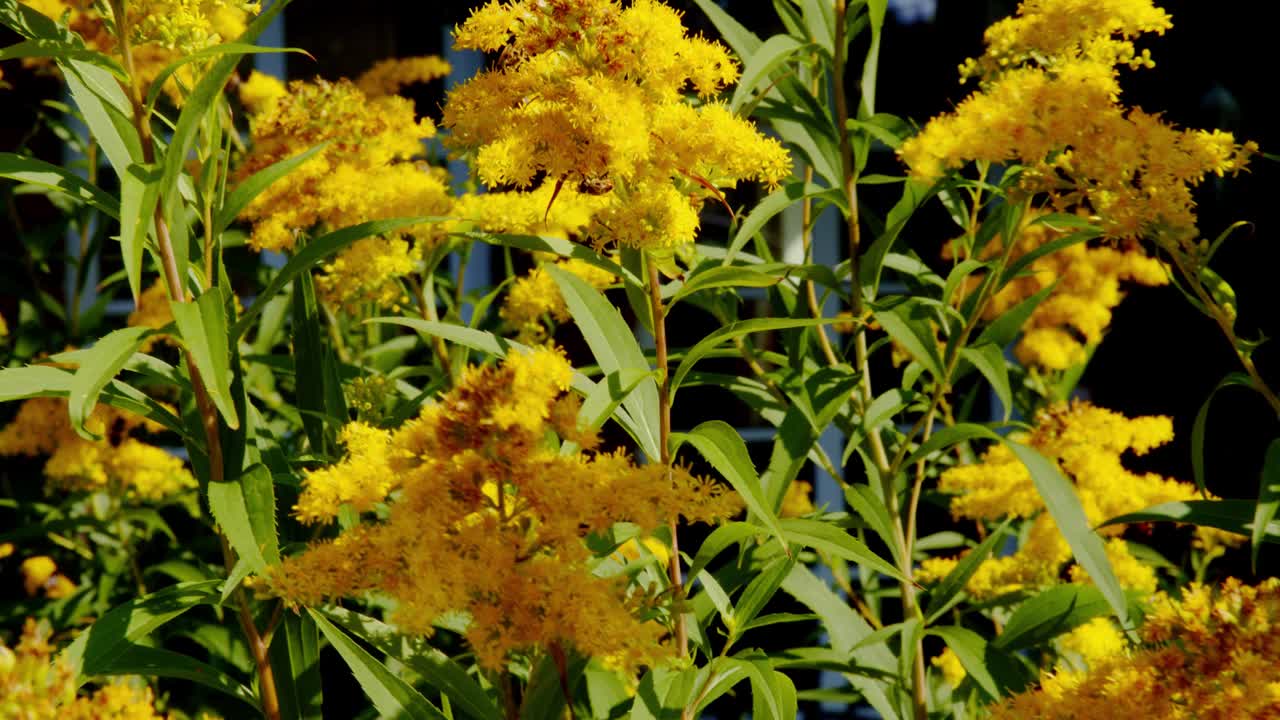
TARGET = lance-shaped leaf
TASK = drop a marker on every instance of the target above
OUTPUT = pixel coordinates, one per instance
(98, 365)
(721, 445)
(202, 326)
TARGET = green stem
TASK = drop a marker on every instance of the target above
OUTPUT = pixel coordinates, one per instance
(674, 572)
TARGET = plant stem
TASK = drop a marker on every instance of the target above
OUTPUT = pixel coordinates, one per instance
(664, 448)
(888, 489)
(208, 413)
(1227, 325)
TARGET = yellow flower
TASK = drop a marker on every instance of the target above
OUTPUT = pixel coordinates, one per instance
(1211, 654)
(363, 478)
(1095, 640)
(161, 32)
(367, 172)
(490, 520)
(1087, 443)
(260, 91)
(1050, 101)
(591, 94)
(35, 684)
(952, 671)
(119, 463)
(798, 500)
(36, 571)
(536, 295)
(388, 77)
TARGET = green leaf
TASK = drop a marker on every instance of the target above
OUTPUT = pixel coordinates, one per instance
(663, 694)
(759, 591)
(106, 112)
(948, 590)
(308, 355)
(1268, 501)
(1064, 505)
(240, 508)
(1202, 422)
(1005, 328)
(908, 324)
(957, 276)
(946, 437)
(544, 696)
(46, 48)
(722, 674)
(314, 253)
(760, 66)
(157, 85)
(867, 104)
(139, 191)
(914, 193)
(869, 506)
(295, 658)
(846, 629)
(202, 327)
(971, 650)
(835, 541)
(436, 668)
(764, 211)
(989, 359)
(744, 42)
(723, 276)
(615, 348)
(556, 246)
(1062, 243)
(392, 696)
(37, 172)
(123, 626)
(158, 662)
(1235, 516)
(97, 367)
(248, 189)
(601, 402)
(1055, 611)
(721, 445)
(737, 329)
(718, 541)
(773, 696)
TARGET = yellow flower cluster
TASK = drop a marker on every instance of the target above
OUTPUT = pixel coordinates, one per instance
(186, 25)
(388, 77)
(1049, 32)
(366, 172)
(536, 296)
(35, 685)
(1211, 655)
(1087, 443)
(160, 31)
(798, 501)
(118, 463)
(527, 213)
(1086, 281)
(588, 93)
(1050, 102)
(489, 519)
(40, 575)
